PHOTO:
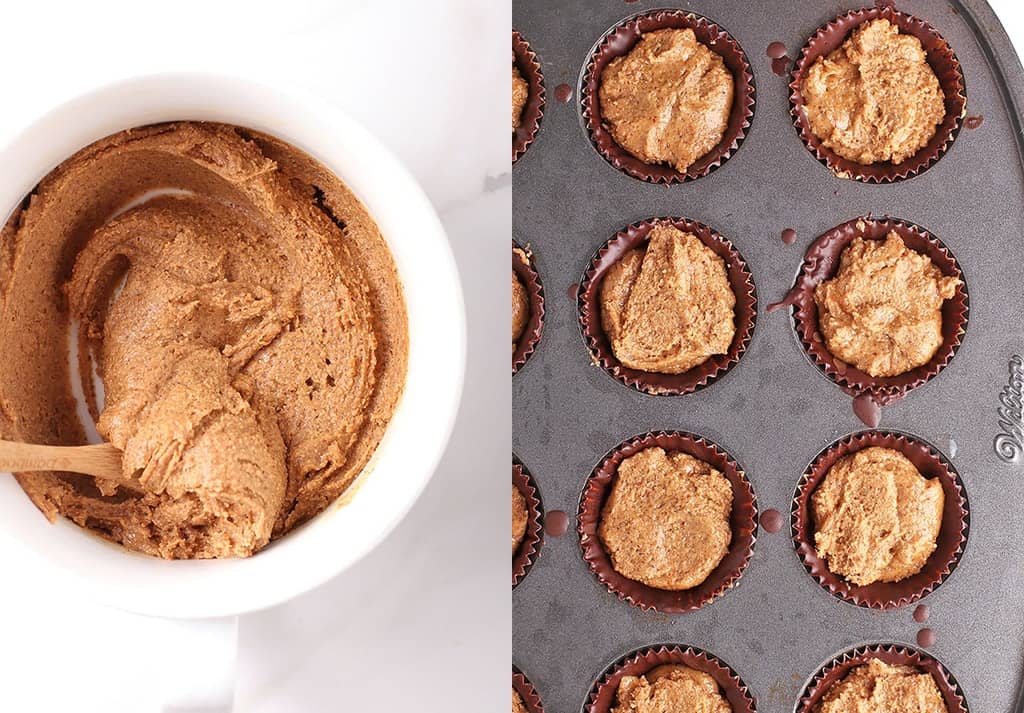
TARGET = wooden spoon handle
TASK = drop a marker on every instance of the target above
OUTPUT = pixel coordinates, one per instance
(101, 460)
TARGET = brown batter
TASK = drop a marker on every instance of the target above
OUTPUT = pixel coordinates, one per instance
(876, 518)
(670, 688)
(875, 98)
(520, 309)
(666, 521)
(520, 515)
(877, 687)
(882, 312)
(517, 703)
(667, 100)
(251, 360)
(520, 93)
(668, 307)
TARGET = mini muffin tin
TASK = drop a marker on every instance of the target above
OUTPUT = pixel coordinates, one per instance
(774, 411)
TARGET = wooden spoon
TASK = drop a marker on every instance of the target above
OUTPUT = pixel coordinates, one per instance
(101, 460)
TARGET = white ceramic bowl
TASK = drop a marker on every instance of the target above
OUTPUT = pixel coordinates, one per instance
(64, 556)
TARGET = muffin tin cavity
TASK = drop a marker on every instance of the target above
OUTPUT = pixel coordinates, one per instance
(950, 543)
(619, 41)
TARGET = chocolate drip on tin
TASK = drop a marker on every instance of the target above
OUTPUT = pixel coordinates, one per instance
(788, 236)
(866, 408)
(921, 613)
(573, 291)
(791, 299)
(926, 638)
(819, 263)
(973, 122)
(776, 52)
(772, 521)
(556, 523)
(563, 93)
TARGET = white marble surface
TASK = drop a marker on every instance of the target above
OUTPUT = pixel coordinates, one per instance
(422, 623)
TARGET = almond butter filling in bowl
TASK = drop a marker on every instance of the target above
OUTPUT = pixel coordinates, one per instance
(246, 318)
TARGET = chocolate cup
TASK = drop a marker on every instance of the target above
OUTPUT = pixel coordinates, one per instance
(950, 543)
(894, 655)
(618, 42)
(742, 520)
(821, 262)
(942, 61)
(523, 267)
(527, 692)
(589, 303)
(529, 549)
(529, 121)
(636, 663)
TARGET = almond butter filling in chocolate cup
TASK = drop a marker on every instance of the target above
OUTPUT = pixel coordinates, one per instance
(529, 123)
(522, 266)
(892, 654)
(531, 699)
(821, 262)
(618, 42)
(529, 549)
(950, 543)
(742, 522)
(636, 663)
(940, 58)
(589, 303)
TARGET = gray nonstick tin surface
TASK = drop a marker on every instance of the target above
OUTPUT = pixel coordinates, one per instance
(774, 411)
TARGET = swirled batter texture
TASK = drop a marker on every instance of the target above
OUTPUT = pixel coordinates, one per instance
(670, 688)
(877, 687)
(875, 98)
(668, 307)
(876, 517)
(882, 312)
(668, 99)
(249, 329)
(666, 521)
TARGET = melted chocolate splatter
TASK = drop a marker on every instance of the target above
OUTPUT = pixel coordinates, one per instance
(772, 521)
(790, 300)
(973, 122)
(563, 93)
(921, 613)
(574, 288)
(776, 52)
(926, 638)
(789, 236)
(867, 410)
(556, 523)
